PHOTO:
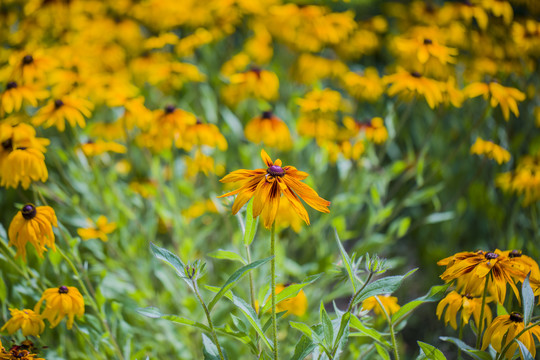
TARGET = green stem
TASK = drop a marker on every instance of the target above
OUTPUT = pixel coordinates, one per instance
(252, 294)
(10, 255)
(509, 343)
(351, 303)
(481, 322)
(391, 326)
(273, 286)
(210, 324)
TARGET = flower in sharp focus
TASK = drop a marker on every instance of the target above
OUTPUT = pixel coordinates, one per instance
(504, 329)
(389, 302)
(469, 305)
(61, 302)
(33, 225)
(30, 322)
(99, 230)
(68, 108)
(266, 187)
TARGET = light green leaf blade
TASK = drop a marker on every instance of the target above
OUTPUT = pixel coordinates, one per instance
(525, 353)
(382, 286)
(227, 255)
(290, 291)
(528, 300)
(250, 314)
(468, 350)
(251, 224)
(303, 348)
(328, 328)
(346, 261)
(430, 352)
(210, 350)
(436, 293)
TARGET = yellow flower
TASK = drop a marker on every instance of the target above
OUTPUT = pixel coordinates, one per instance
(408, 85)
(59, 303)
(376, 131)
(28, 321)
(145, 188)
(322, 102)
(422, 49)
(269, 130)
(503, 331)
(505, 97)
(91, 148)
(22, 166)
(254, 83)
(34, 225)
(99, 231)
(525, 179)
(68, 108)
(491, 150)
(475, 267)
(468, 305)
(30, 66)
(201, 134)
(367, 86)
(296, 305)
(287, 217)
(23, 351)
(12, 98)
(200, 162)
(266, 187)
(309, 68)
(389, 302)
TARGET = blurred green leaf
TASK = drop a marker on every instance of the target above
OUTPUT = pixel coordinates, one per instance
(468, 350)
(527, 295)
(383, 353)
(227, 255)
(251, 225)
(436, 293)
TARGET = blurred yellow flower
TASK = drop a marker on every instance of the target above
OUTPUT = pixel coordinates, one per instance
(98, 147)
(408, 85)
(389, 302)
(254, 83)
(11, 99)
(99, 230)
(33, 225)
(68, 108)
(202, 134)
(491, 150)
(367, 86)
(269, 130)
(61, 302)
(468, 305)
(326, 101)
(287, 217)
(29, 322)
(505, 97)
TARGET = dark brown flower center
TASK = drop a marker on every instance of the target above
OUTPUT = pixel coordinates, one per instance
(514, 254)
(416, 74)
(491, 256)
(516, 317)
(8, 145)
(28, 211)
(428, 41)
(58, 103)
(267, 114)
(27, 60)
(275, 170)
(169, 109)
(11, 85)
(63, 290)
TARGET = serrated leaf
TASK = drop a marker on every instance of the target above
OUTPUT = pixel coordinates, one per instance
(251, 224)
(170, 259)
(525, 353)
(436, 293)
(233, 279)
(328, 328)
(431, 352)
(250, 314)
(290, 291)
(227, 255)
(468, 350)
(528, 300)
(346, 261)
(303, 348)
(382, 286)
(366, 331)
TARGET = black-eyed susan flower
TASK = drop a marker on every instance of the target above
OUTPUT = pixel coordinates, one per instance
(254, 83)
(61, 302)
(474, 268)
(28, 321)
(21, 166)
(469, 305)
(287, 217)
(266, 187)
(504, 329)
(98, 147)
(296, 305)
(310, 68)
(68, 108)
(505, 97)
(390, 304)
(269, 130)
(202, 163)
(30, 66)
(490, 150)
(321, 102)
(33, 225)
(12, 98)
(23, 351)
(203, 134)
(408, 85)
(366, 86)
(99, 230)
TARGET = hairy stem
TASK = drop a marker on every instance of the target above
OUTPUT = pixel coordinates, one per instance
(208, 318)
(273, 286)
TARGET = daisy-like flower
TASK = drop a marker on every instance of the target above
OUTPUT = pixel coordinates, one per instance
(30, 322)
(30, 66)
(99, 230)
(503, 331)
(408, 85)
(266, 187)
(269, 130)
(491, 150)
(95, 148)
(24, 351)
(22, 166)
(506, 97)
(254, 83)
(200, 134)
(33, 225)
(474, 268)
(469, 305)
(389, 302)
(59, 303)
(424, 49)
(367, 86)
(13, 96)
(68, 108)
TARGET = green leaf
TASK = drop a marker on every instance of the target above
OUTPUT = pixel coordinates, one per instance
(382, 286)
(233, 279)
(172, 260)
(305, 329)
(227, 255)
(369, 332)
(430, 351)
(528, 300)
(268, 322)
(184, 321)
(290, 291)
(468, 350)
(250, 314)
(439, 217)
(346, 261)
(436, 293)
(251, 224)
(151, 312)
(210, 350)
(525, 353)
(342, 335)
(303, 348)
(383, 353)
(328, 328)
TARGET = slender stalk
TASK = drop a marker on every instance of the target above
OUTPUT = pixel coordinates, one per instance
(460, 336)
(273, 286)
(391, 326)
(481, 322)
(349, 308)
(509, 343)
(10, 255)
(252, 293)
(210, 324)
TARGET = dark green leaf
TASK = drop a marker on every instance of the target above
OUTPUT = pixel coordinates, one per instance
(250, 314)
(468, 350)
(431, 352)
(290, 291)
(303, 348)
